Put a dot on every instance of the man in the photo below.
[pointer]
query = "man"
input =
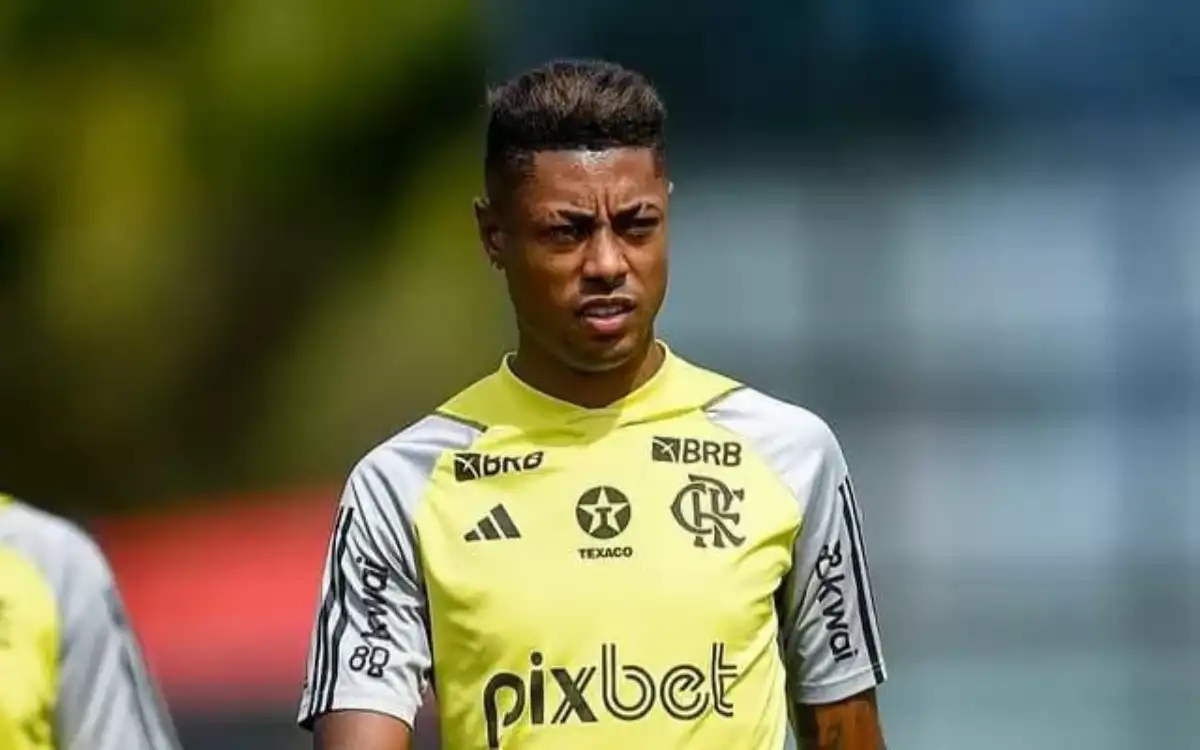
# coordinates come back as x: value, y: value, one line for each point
x: 71, y: 675
x: 600, y: 545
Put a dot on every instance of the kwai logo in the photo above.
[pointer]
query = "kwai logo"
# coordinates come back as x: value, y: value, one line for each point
x: 830, y: 595
x: 373, y: 655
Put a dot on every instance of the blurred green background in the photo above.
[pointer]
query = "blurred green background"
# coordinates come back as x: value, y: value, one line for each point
x: 232, y: 239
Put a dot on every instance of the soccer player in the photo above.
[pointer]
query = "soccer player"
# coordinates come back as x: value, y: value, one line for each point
x: 71, y: 675
x: 600, y: 545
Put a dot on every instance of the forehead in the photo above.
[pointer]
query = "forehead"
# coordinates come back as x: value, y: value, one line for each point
x: 616, y: 174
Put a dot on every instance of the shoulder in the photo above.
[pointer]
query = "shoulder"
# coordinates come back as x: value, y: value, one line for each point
x: 792, y: 440
x: 70, y: 563
x: 420, y: 445
x: 54, y: 543
x: 452, y: 426
x: 693, y: 385
x: 771, y: 420
x: 393, y: 476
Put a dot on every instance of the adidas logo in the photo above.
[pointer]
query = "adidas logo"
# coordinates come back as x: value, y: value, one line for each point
x: 497, y: 524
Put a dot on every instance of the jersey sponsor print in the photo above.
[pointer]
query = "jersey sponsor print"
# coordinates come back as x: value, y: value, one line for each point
x: 625, y: 691
x: 670, y: 572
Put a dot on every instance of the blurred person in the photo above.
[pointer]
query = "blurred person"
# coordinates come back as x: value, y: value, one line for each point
x: 71, y: 672
x: 601, y: 544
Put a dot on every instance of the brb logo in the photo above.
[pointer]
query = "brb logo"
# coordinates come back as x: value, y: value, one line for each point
x: 673, y: 450
x: 471, y: 466
x: 628, y: 692
x: 705, y: 507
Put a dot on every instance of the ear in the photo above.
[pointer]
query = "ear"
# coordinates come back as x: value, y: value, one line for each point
x: 491, y: 236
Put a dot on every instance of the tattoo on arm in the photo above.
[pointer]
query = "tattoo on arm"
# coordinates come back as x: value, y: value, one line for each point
x: 833, y: 738
x: 852, y: 724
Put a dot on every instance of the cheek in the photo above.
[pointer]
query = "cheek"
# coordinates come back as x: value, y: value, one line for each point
x: 650, y: 264
x: 541, y: 287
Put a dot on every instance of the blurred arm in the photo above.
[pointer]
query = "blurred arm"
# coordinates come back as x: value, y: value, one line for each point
x: 106, y: 700
x: 370, y: 658
x: 828, y: 622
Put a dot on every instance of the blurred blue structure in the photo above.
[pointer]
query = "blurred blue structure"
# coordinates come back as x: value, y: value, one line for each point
x: 1008, y: 347
x: 966, y: 235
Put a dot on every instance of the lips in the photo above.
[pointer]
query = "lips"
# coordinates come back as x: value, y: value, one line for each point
x: 609, y: 307
x: 607, y: 317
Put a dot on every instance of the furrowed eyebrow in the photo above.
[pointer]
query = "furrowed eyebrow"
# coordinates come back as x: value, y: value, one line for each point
x: 637, y: 207
x: 579, y: 214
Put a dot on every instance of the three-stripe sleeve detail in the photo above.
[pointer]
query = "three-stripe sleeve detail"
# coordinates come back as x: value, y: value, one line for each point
x: 149, y: 707
x: 326, y: 656
x: 316, y: 669
x: 861, y: 540
x: 858, y: 565
x: 343, y: 620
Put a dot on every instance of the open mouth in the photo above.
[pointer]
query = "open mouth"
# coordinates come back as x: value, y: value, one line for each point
x: 607, y: 316
x: 602, y: 309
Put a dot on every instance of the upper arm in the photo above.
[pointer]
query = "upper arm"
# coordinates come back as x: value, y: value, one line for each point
x: 107, y: 699
x: 360, y: 730
x: 369, y: 660
x: 829, y: 628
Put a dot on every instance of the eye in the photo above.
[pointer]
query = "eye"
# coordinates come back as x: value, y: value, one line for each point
x: 644, y: 225
x: 561, y: 234
x: 639, y: 226
x: 571, y: 231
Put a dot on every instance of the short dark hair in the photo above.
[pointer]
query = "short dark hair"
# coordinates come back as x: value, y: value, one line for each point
x: 571, y: 105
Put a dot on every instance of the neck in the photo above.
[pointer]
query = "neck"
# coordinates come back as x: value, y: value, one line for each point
x: 590, y: 390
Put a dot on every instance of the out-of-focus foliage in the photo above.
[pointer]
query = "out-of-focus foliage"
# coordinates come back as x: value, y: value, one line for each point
x: 228, y: 233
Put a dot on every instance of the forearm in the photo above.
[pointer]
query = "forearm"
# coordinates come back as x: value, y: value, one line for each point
x: 851, y: 724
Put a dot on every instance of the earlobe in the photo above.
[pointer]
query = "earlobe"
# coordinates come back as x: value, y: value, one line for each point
x: 492, y: 249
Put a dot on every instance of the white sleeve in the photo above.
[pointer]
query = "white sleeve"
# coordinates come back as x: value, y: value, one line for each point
x: 107, y: 699
x: 829, y: 628
x: 370, y: 644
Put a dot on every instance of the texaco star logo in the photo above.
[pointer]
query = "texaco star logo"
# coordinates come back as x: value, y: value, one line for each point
x: 603, y: 512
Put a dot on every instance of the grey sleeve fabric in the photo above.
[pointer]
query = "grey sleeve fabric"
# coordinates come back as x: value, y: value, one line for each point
x: 828, y: 619
x: 107, y: 699
x: 829, y: 629
x: 370, y: 647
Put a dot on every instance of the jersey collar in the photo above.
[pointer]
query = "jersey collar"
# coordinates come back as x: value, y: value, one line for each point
x: 640, y: 401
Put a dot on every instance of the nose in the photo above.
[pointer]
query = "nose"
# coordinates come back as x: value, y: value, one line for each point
x: 605, y: 258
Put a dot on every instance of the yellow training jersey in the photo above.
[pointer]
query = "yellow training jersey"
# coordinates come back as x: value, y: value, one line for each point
x: 670, y: 572
x: 71, y: 677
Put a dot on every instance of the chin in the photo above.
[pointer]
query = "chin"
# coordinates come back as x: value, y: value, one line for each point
x: 601, y: 357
